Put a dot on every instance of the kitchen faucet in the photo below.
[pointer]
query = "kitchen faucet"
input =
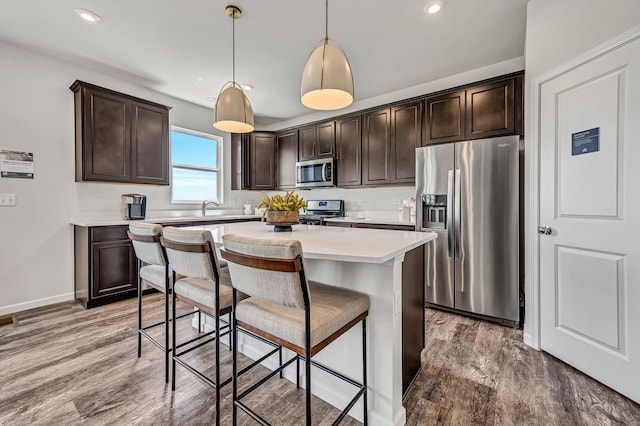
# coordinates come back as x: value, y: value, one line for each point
x: 205, y: 203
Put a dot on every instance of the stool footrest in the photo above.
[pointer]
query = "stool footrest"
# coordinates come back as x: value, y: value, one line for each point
x: 154, y: 341
x: 265, y: 378
x: 251, y: 413
x: 258, y: 361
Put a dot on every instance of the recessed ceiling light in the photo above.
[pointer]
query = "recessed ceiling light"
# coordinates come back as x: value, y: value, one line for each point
x: 87, y: 15
x: 433, y: 6
x: 247, y: 87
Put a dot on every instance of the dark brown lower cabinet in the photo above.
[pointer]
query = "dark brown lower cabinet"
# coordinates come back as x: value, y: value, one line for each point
x: 105, y: 265
x: 412, y: 315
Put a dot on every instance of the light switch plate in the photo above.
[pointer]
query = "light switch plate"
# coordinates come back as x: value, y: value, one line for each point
x: 7, y: 199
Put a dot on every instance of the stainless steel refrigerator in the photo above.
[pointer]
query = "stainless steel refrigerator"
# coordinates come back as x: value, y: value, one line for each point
x: 467, y: 192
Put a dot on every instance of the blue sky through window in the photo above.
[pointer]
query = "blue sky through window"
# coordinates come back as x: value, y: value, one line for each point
x: 195, y: 167
x: 193, y: 150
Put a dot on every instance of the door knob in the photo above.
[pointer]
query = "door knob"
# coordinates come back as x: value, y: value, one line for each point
x: 544, y: 230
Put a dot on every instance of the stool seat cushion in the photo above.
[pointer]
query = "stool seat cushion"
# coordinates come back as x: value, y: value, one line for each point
x: 154, y: 275
x: 331, y: 309
x: 203, y: 291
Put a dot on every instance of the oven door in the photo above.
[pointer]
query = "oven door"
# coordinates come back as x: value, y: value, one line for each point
x: 315, y: 173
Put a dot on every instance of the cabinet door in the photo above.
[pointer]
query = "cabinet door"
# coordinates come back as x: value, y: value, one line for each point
x: 287, y: 149
x: 490, y: 110
x: 236, y: 162
x: 349, y: 151
x: 263, y: 150
x: 376, y: 148
x: 114, y: 268
x: 445, y: 118
x: 307, y: 143
x: 149, y: 144
x: 326, y: 140
x: 406, y: 136
x: 107, y: 137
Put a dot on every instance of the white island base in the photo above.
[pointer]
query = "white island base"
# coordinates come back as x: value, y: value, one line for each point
x: 368, y: 261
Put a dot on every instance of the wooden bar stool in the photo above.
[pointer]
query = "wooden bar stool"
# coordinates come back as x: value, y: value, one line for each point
x: 285, y: 308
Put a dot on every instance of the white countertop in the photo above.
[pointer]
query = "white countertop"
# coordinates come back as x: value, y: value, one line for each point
x: 333, y: 243
x: 108, y: 221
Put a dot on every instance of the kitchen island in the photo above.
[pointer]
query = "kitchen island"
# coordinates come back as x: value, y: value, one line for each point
x: 388, y: 267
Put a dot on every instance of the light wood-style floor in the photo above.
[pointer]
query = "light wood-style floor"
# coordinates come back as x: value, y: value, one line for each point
x: 63, y: 365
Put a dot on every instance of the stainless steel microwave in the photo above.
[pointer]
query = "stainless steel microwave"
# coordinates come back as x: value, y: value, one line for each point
x: 316, y: 173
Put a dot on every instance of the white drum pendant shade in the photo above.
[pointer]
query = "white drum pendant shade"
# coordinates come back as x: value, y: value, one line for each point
x: 233, y: 111
x: 327, y: 81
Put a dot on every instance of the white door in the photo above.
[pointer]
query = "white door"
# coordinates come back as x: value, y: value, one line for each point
x: 590, y: 198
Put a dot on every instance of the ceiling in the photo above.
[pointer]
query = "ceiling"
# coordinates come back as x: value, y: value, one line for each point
x: 183, y: 47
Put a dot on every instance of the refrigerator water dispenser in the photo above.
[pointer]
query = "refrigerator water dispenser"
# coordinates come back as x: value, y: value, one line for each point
x: 434, y: 211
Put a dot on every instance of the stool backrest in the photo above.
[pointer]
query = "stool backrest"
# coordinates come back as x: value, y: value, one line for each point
x: 146, y: 242
x: 191, y: 252
x: 268, y: 269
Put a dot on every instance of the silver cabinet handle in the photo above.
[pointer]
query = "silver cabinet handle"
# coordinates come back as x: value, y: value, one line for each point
x: 545, y: 230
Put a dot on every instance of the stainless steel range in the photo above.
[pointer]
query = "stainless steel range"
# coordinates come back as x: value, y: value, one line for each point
x: 318, y: 210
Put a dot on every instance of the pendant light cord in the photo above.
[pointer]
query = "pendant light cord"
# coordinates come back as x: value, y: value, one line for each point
x: 326, y: 21
x: 233, y: 44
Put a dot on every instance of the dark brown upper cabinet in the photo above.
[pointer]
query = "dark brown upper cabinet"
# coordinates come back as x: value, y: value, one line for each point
x: 287, y: 155
x: 253, y: 161
x: 445, y: 117
x: 376, y: 147
x: 240, y: 178
x: 120, y: 138
x: 316, y: 141
x: 262, y: 160
x: 491, y: 109
x: 406, y: 136
x: 390, y: 137
x: 349, y: 151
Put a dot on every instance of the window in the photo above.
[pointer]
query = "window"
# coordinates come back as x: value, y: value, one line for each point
x: 195, y: 166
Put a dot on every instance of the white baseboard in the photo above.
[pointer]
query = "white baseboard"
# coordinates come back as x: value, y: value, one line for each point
x: 18, y: 307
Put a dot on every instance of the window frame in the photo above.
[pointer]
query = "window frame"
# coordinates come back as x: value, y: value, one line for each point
x: 219, y: 170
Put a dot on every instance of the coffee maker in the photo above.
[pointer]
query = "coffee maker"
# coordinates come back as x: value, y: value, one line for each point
x: 134, y: 206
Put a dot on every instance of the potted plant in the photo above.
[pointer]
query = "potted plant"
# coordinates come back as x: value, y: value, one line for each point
x: 283, y: 210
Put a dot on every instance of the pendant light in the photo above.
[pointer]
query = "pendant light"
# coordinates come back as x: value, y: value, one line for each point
x: 327, y: 81
x: 233, y: 112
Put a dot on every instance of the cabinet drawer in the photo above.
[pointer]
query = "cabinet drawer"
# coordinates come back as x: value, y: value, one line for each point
x: 109, y: 233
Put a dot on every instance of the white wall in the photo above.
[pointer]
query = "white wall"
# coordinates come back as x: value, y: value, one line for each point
x: 558, y: 31
x: 36, y: 115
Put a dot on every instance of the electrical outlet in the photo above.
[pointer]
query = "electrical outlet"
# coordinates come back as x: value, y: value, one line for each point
x: 7, y: 199
x: 361, y: 202
x: 396, y: 202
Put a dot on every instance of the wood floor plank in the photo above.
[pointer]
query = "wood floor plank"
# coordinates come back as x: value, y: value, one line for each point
x: 63, y: 365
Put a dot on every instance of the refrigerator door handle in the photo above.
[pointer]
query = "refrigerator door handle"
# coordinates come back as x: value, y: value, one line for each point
x: 450, y: 213
x: 457, y: 214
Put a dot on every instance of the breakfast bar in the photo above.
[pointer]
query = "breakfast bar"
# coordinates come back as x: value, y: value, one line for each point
x: 388, y: 267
